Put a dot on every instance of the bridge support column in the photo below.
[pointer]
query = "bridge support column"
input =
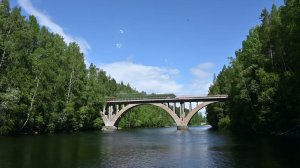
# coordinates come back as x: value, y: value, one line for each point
x: 181, y: 125
x: 117, y: 108
x: 107, y: 118
x: 182, y: 112
x: 174, y: 107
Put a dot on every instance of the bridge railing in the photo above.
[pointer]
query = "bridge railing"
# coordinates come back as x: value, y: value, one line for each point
x: 164, y: 98
x: 137, y: 98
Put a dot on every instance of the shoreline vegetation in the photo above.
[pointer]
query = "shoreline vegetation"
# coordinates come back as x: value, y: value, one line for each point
x: 263, y: 79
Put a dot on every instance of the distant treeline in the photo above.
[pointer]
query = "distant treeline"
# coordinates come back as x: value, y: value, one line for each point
x: 45, y: 85
x: 263, y: 80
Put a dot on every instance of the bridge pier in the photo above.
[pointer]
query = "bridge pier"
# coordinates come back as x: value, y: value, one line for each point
x: 182, y: 127
x: 109, y: 128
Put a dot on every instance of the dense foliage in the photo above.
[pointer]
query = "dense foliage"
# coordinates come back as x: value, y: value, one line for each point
x: 45, y: 85
x: 263, y: 80
x: 133, y: 118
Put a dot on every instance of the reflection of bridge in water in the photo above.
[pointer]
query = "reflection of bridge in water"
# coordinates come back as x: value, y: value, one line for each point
x: 179, y: 108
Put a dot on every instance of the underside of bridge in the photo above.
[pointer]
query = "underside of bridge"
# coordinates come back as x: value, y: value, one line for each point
x: 181, y: 112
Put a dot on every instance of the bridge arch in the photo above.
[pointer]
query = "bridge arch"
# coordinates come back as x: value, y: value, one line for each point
x: 119, y: 114
x: 194, y: 111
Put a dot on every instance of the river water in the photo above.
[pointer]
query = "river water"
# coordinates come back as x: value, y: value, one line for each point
x: 159, y: 147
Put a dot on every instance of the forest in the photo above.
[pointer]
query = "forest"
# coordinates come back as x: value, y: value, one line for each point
x: 263, y: 78
x: 46, y: 87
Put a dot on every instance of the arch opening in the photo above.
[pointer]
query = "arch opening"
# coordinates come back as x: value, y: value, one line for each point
x: 197, y: 119
x: 196, y: 110
x: 162, y: 110
x: 144, y: 116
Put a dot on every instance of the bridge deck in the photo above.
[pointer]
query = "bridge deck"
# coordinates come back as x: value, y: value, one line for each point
x: 168, y: 100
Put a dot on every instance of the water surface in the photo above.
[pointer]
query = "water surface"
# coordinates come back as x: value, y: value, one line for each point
x: 160, y: 147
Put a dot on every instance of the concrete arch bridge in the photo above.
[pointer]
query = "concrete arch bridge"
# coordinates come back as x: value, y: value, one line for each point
x: 115, y: 108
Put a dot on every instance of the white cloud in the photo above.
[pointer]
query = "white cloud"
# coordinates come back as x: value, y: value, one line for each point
x: 144, y: 78
x: 119, y: 45
x: 202, y: 78
x: 121, y: 31
x: 54, y: 27
x: 153, y: 79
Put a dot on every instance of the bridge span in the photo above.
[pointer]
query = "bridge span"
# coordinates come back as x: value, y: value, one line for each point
x: 179, y: 108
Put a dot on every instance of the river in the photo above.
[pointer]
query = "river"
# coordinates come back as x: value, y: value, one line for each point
x: 159, y: 147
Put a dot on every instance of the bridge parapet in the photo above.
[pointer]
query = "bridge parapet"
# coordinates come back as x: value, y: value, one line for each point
x: 168, y: 100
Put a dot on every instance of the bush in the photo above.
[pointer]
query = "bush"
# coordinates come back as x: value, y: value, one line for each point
x: 224, y: 123
x: 98, y: 123
x: 51, y: 127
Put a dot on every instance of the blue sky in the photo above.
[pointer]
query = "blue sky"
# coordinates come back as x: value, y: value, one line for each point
x: 161, y: 46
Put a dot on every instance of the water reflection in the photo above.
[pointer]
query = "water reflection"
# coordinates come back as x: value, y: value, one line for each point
x: 61, y: 150
x: 162, y: 147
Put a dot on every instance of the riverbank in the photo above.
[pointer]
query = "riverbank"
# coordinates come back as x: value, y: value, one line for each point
x: 294, y: 133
